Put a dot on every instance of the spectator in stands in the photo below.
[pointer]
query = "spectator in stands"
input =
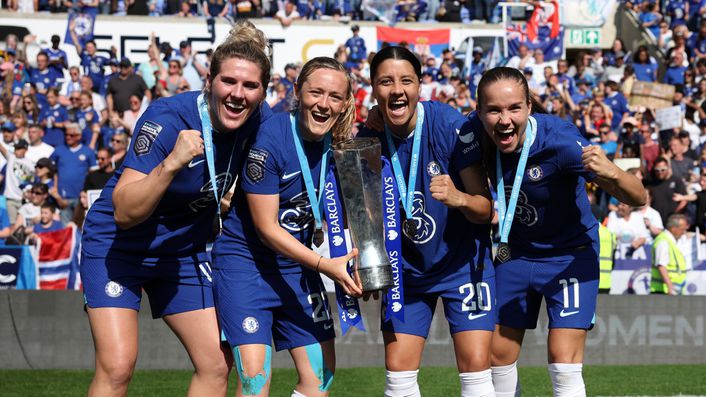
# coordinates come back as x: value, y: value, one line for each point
x: 213, y: 8
x: 73, y: 160
x: 617, y: 103
x: 355, y: 46
x: 19, y: 172
x: 147, y: 70
x: 127, y: 84
x: 87, y: 119
x: 607, y: 141
x: 697, y: 43
x: 119, y: 145
x: 97, y: 179
x: 288, y: 13
x: 74, y: 84
x: 629, y: 227
x: 663, y: 187
x: 46, y: 223
x: 629, y: 140
x: 52, y: 119
x: 593, y: 119
x: 29, y: 213
x: 650, y: 18
x: 675, y: 71
x: 172, y: 80
x: 649, y: 149
x: 30, y: 108
x: 44, y: 171
x: 42, y: 76
x: 645, y: 67
x: 93, y: 64
x: 131, y: 115
x: 37, y: 148
x: 58, y: 60
x: 97, y: 100
x: 669, y: 266
x: 653, y: 221
x: 290, y: 76
x: 567, y: 81
x: 447, y: 58
x: 194, y: 70
x: 615, y: 71
x: 137, y: 7
x: 680, y: 163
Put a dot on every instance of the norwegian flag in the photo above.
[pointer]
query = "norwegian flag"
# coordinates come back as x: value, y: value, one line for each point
x: 57, y: 259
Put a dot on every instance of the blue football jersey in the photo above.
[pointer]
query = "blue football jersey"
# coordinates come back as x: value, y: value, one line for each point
x: 57, y: 114
x: 445, y: 240
x: 181, y: 224
x: 553, y: 214
x: 272, y: 167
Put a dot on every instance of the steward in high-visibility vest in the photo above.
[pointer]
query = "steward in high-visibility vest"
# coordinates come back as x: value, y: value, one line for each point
x: 608, y: 244
x: 669, y: 267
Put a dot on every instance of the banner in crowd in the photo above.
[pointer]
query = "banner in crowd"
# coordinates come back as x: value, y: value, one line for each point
x: 632, y: 269
x: 57, y: 259
x: 542, y: 30
x: 586, y: 13
x: 422, y: 41
x: 84, y: 24
x: 17, y: 270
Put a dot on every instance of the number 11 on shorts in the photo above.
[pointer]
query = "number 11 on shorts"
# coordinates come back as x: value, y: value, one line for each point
x: 571, y: 283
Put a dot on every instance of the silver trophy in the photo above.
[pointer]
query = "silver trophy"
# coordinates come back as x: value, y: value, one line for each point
x: 359, y: 169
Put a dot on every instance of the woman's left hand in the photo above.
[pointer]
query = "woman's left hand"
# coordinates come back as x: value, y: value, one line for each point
x: 594, y: 160
x: 443, y: 189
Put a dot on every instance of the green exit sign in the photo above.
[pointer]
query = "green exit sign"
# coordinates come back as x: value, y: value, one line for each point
x: 585, y: 36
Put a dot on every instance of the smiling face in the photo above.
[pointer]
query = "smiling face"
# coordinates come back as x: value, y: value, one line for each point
x: 504, y: 113
x: 322, y: 98
x: 396, y: 89
x: 234, y: 94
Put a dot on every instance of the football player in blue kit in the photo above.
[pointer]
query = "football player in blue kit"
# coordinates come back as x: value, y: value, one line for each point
x: 446, y: 249
x: 539, y: 165
x: 266, y: 276
x: 269, y: 287
x: 148, y: 230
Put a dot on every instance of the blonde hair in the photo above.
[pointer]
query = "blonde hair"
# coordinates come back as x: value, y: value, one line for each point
x: 343, y: 126
x: 247, y: 42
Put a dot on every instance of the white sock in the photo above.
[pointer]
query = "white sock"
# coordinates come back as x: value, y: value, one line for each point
x: 477, y: 384
x: 297, y: 394
x: 567, y: 380
x: 506, y: 380
x: 401, y: 384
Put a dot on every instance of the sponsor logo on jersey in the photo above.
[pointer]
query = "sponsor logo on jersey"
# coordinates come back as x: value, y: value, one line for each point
x: 290, y: 175
x: 426, y: 226
x: 562, y: 313
x: 297, y: 216
x: 472, y: 316
x: 223, y: 183
x: 146, y: 136
x: 250, y: 325
x: 255, y: 170
x: 113, y: 289
x: 525, y: 213
x: 466, y: 138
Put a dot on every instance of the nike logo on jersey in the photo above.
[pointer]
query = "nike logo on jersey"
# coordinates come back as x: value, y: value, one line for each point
x: 562, y: 313
x: 194, y: 163
x: 328, y: 326
x: 580, y: 145
x: 466, y: 138
x: 472, y: 316
x: 289, y: 176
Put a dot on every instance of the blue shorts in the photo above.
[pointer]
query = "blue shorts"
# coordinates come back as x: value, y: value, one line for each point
x: 255, y: 308
x: 469, y: 305
x: 174, y: 287
x: 568, y: 283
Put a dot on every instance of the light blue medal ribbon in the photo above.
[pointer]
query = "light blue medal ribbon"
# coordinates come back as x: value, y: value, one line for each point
x: 306, y: 172
x: 394, y: 300
x: 507, y: 213
x: 406, y: 189
x: 348, y: 308
x: 207, y: 134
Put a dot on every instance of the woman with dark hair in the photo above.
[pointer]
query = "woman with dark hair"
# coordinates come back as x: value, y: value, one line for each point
x: 31, y: 108
x: 266, y: 277
x: 617, y: 48
x: 539, y: 165
x: 149, y: 227
x: 644, y: 65
x: 446, y: 210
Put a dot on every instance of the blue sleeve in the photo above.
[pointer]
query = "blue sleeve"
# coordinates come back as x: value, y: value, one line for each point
x: 569, y: 150
x: 91, y: 158
x: 157, y: 130
x: 263, y: 165
x: 465, y: 140
x: 4, y: 219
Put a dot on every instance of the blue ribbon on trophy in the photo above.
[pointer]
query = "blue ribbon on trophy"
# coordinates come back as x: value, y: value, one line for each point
x: 394, y: 300
x: 348, y: 307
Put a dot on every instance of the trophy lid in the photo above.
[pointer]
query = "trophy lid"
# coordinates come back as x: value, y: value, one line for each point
x: 357, y: 144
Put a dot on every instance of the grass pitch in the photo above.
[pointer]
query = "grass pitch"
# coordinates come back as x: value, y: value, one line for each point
x: 647, y: 380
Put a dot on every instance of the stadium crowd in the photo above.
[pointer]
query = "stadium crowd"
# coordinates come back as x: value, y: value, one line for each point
x: 67, y: 127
